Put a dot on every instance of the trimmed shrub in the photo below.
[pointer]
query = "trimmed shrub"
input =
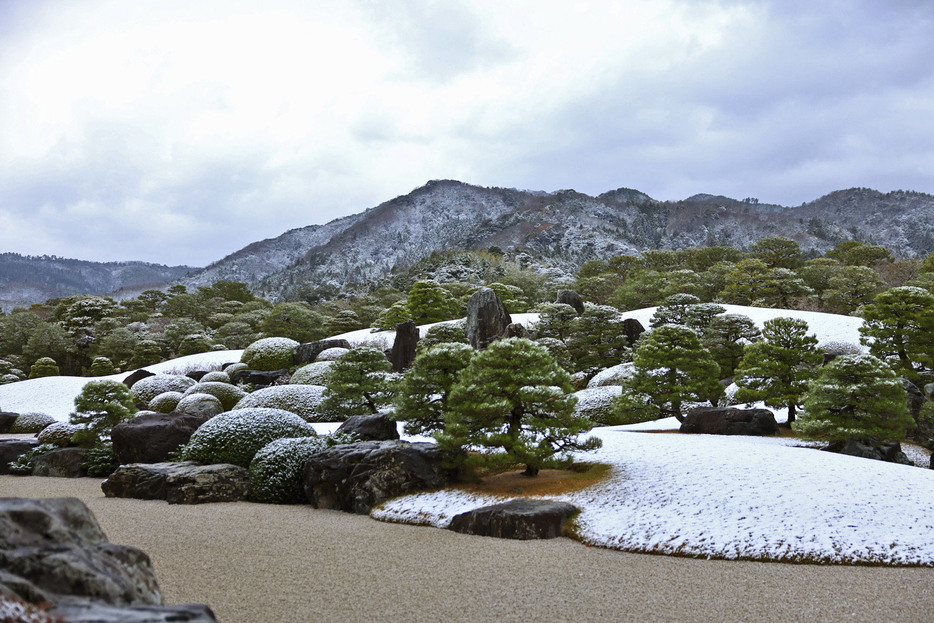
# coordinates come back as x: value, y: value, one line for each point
x: 44, y: 366
x: 61, y: 434
x: 270, y: 353
x: 22, y: 465
x: 8, y: 378
x: 236, y: 436
x: 31, y: 422
x: 302, y: 400
x: 202, y: 405
x: 276, y: 470
x: 234, y: 368
x: 228, y: 394
x: 102, y: 366
x: 316, y: 373
x: 331, y: 354
x: 216, y: 376
x: 165, y: 402
x: 148, y: 388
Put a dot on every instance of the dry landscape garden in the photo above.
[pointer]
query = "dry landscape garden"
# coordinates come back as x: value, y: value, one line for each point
x: 737, y: 409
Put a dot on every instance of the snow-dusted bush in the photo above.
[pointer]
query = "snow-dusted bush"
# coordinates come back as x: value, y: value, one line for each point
x: 201, y: 405
x: 60, y: 434
x: 234, y: 368
x: 276, y: 470
x: 269, y: 353
x: 312, y: 374
x: 302, y: 400
x: 236, y: 436
x: 216, y: 376
x: 596, y: 404
x: 836, y: 347
x: 228, y: 394
x: 8, y: 378
x: 148, y: 388
x: 31, y: 422
x: 165, y: 402
x: 332, y: 354
x: 613, y: 375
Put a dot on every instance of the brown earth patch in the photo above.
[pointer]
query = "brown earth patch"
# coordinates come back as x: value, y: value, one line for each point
x: 547, y: 482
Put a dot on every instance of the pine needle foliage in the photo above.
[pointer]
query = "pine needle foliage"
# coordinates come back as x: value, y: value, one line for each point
x: 358, y: 384
x: 423, y: 394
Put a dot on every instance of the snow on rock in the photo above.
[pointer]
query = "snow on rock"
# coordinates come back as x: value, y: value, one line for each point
x: 612, y: 375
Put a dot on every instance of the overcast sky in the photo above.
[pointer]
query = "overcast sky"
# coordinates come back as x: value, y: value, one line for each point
x: 179, y: 131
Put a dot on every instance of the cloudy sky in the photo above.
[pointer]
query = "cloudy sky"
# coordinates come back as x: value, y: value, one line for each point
x: 178, y: 131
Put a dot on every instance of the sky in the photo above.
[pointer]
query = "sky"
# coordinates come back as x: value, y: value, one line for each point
x: 178, y: 132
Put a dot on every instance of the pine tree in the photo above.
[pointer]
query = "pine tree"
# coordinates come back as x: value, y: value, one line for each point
x: 296, y: 321
x: 423, y: 394
x: 899, y: 324
x: 777, y: 369
x: 554, y: 320
x: 100, y: 406
x: 429, y: 302
x: 597, y: 339
x: 513, y: 396
x: 726, y: 338
x: 674, y: 310
x: 855, y: 397
x: 358, y: 384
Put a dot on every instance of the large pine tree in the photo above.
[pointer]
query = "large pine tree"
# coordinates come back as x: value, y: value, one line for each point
x: 422, y: 400
x: 899, y: 324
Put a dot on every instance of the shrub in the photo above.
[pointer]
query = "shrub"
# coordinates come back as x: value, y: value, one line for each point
x: 234, y: 368
x: 271, y: 353
x: 44, y: 366
x: 101, y: 366
x: 100, y: 461
x: 31, y: 422
x: 331, y: 354
x: 446, y: 332
x: 195, y: 344
x: 596, y: 404
x: 316, y: 373
x: 236, y: 436
x: 146, y: 389
x: 203, y: 405
x: 302, y: 400
x: 61, y: 434
x: 165, y: 402
x: 215, y: 376
x: 100, y: 406
x: 22, y: 465
x: 276, y: 470
x: 228, y: 394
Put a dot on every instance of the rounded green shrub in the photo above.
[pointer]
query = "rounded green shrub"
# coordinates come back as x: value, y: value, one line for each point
x: 234, y: 368
x: 316, y: 373
x: 236, y: 436
x: 276, y: 470
x: 165, y: 402
x: 61, y: 434
x: 31, y: 422
x: 302, y: 400
x: 148, y: 388
x: 217, y: 376
x: 8, y: 378
x: 228, y: 394
x: 201, y: 405
x: 44, y: 366
x: 270, y: 353
x: 102, y: 366
x: 332, y: 354
x: 596, y: 405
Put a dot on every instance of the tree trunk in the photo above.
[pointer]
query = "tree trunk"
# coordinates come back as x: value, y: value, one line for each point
x: 530, y: 471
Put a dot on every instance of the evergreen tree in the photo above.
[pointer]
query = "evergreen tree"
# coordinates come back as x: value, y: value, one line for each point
x: 101, y: 366
x: 100, y: 406
x: 777, y: 252
x: 672, y: 367
x: 423, y: 394
x: 358, y: 384
x: 48, y: 339
x: 146, y: 353
x: 674, y: 310
x: 44, y: 366
x: 855, y: 397
x: 439, y: 333
x: 428, y: 302
x: 513, y: 396
x: 850, y: 287
x: 726, y: 338
x: 777, y: 369
x: 554, y: 321
x: 745, y: 282
x: 392, y: 316
x: 296, y: 321
x: 596, y: 338
x: 899, y: 324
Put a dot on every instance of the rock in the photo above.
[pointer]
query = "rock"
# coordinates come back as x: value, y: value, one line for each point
x: 150, y: 438
x: 140, y: 374
x: 516, y: 329
x: 487, y: 318
x: 729, y: 421
x: 916, y: 399
x: 572, y: 298
x: 516, y: 519
x: 6, y: 421
x: 196, y: 374
x: 60, y: 463
x: 376, y: 427
x: 178, y: 483
x: 307, y: 353
x: 11, y: 449
x: 612, y: 376
x: 83, y: 611
x: 260, y: 378
x: 355, y: 477
x: 633, y: 329
x: 888, y: 452
x: 56, y: 548
x: 403, y: 347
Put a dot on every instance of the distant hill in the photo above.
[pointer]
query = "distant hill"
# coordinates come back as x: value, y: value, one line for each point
x: 26, y: 279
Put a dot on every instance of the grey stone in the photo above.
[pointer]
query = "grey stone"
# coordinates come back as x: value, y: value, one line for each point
x: 260, y: 378
x: 199, y: 405
x: 487, y: 318
x: 60, y: 463
x: 196, y: 374
x: 6, y: 421
x: 888, y: 452
x: 916, y: 399
x: 151, y: 437
x: 375, y: 427
x: 85, y: 611
x: 402, y: 353
x: 12, y: 449
x: 729, y: 421
x: 178, y: 483
x: 516, y: 329
x: 355, y: 477
x: 572, y: 298
x: 308, y: 352
x: 516, y: 519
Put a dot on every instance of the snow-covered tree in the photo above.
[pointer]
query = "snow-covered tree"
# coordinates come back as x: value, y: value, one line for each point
x: 597, y: 339
x: 99, y: 407
x: 358, y: 384
x: 429, y: 302
x: 514, y: 397
x: 726, y: 338
x: 554, y: 320
x: 777, y: 369
x: 423, y: 394
x: 674, y: 310
x: 855, y: 397
x: 294, y: 320
x: 899, y: 325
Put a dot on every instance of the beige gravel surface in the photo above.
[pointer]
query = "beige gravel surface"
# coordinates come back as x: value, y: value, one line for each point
x: 257, y: 563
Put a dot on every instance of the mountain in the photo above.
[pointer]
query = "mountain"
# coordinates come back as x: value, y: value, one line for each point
x: 26, y: 279
x: 560, y: 230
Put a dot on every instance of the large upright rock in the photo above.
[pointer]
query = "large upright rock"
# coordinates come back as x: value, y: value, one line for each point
x: 151, y: 437
x: 633, y: 329
x: 487, y: 318
x: 60, y: 463
x: 308, y: 352
x: 6, y: 421
x: 572, y: 298
x: 403, y: 347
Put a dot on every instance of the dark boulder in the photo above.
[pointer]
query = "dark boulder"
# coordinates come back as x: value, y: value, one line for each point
x: 196, y: 374
x: 355, y: 477
x: 572, y: 298
x: 375, y: 427
x: 516, y: 329
x: 6, y: 421
x: 260, y: 378
x: 178, y: 483
x: 487, y: 318
x: 12, y: 449
x: 516, y: 519
x: 402, y: 353
x: 139, y: 375
x: 888, y: 452
x: 151, y: 437
x: 633, y: 329
x: 729, y: 421
x: 916, y: 399
x: 60, y: 463
x: 308, y: 352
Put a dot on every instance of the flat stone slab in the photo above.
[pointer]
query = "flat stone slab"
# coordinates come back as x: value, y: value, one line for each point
x: 516, y: 519
x: 178, y: 483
